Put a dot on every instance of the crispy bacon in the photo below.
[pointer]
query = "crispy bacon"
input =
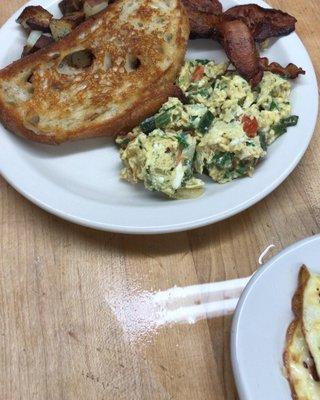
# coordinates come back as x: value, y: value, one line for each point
x: 237, y: 40
x: 291, y: 71
x: 202, y: 25
x: 237, y: 30
x: 203, y: 17
x: 205, y: 6
x: 263, y: 22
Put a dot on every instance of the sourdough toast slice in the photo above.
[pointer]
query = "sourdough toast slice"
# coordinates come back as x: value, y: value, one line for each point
x: 103, y: 79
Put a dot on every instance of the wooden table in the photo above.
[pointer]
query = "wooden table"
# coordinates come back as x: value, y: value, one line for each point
x: 61, y: 337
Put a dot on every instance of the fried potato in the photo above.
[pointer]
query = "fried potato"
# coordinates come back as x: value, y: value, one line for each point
x: 309, y: 303
x: 299, y: 365
x: 63, y: 26
x: 35, y: 18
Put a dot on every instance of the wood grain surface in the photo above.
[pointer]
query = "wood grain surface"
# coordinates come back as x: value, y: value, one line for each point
x: 61, y: 337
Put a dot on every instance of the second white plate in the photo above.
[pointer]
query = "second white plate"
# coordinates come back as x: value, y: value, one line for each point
x: 261, y: 321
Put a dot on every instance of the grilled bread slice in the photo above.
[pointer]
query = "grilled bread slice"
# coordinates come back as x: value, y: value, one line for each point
x: 103, y: 79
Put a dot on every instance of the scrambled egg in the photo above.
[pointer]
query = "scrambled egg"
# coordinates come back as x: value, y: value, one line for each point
x: 223, y: 130
x: 163, y: 161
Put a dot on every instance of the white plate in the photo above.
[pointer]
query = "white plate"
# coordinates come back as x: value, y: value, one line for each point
x: 80, y: 181
x: 261, y: 320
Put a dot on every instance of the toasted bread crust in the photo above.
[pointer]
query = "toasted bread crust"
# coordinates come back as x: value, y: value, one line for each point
x: 150, y: 87
x: 143, y: 109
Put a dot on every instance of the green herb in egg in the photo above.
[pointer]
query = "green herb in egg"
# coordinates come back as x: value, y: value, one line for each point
x: 148, y: 125
x: 158, y: 121
x: 274, y: 105
x: 202, y: 62
x: 263, y: 141
x: 281, y: 127
x: 162, y: 119
x: 290, y: 121
x: 223, y: 160
x: 182, y: 139
x: 205, y: 122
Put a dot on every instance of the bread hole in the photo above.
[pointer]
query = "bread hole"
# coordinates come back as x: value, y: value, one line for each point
x: 28, y: 77
x: 76, y: 61
x: 107, y: 61
x: 132, y: 63
x: 79, y: 59
x: 33, y: 120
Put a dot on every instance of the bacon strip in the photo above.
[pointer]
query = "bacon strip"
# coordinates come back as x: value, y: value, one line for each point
x: 237, y: 30
x: 263, y: 22
x: 291, y: 71
x: 202, y: 25
x: 237, y: 40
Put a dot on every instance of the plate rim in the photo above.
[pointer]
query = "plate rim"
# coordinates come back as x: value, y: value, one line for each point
x: 235, y: 326
x: 176, y: 227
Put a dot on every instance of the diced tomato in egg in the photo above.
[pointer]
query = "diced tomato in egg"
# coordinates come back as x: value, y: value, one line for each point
x: 198, y: 73
x: 250, y: 126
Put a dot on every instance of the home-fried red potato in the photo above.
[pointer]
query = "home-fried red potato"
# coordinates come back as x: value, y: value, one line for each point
x: 63, y: 26
x: 291, y: 71
x: 70, y: 6
x: 35, y: 18
x: 263, y: 22
x: 40, y: 43
x: 238, y: 43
